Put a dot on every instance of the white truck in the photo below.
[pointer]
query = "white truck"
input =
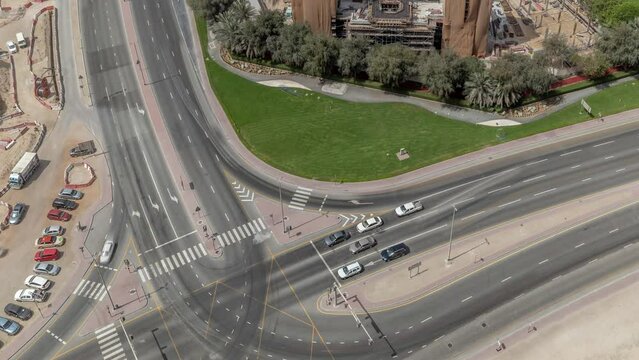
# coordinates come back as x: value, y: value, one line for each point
x: 23, y: 170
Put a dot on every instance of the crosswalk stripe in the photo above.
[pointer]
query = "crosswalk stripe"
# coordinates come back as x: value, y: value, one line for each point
x: 261, y: 223
x: 186, y: 256
x: 246, y: 230
x: 104, y: 328
x: 295, y: 203
x: 111, y: 349
x: 119, y: 357
x: 168, y: 261
x: 304, y: 189
x: 78, y: 287
x: 239, y: 229
x: 110, y: 342
x: 117, y: 351
x: 236, y: 235
x: 89, y: 284
x: 225, y: 240
x: 202, y: 248
x: 300, y: 197
x: 141, y: 275
x: 257, y: 225
x: 166, y: 269
x: 191, y: 253
x: 158, y: 268
x: 252, y: 228
x: 112, y: 334
x: 197, y: 251
x: 104, y: 293
x: 97, y: 294
x: 89, y: 289
x: 231, y: 237
x: 147, y: 273
x: 175, y: 260
x: 153, y: 271
x: 179, y: 255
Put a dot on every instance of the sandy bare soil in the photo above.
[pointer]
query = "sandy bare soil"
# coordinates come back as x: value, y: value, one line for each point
x: 5, y: 87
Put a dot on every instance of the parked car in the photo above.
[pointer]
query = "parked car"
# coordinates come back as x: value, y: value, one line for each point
x: 9, y: 326
x: 350, y: 270
x: 73, y: 194
x: 49, y: 241
x: 18, y: 311
x: 58, y: 215
x: 59, y: 203
x: 47, y: 255
x: 409, y: 208
x: 394, y: 252
x: 11, y: 46
x: 53, y: 230
x: 362, y: 244
x: 107, y: 251
x: 30, y: 295
x: 37, y: 282
x: 336, y: 238
x: 370, y: 224
x: 17, y: 213
x: 46, y: 268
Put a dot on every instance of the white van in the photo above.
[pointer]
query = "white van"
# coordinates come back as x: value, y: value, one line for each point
x: 21, y: 41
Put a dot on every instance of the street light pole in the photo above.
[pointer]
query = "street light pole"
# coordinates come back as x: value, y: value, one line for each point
x: 450, y: 241
x: 282, y: 206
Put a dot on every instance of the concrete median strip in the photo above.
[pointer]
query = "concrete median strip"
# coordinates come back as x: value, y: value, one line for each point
x: 392, y: 287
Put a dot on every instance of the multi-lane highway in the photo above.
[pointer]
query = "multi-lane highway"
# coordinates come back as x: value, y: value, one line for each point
x: 251, y: 303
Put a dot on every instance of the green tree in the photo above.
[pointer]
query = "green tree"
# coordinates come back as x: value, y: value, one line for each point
x: 557, y: 52
x: 625, y: 12
x: 479, y: 89
x: 269, y: 23
x: 352, y: 56
x: 250, y: 40
x: 288, y: 44
x: 447, y: 73
x: 505, y: 94
x: 620, y: 44
x: 391, y: 64
x: 538, y: 78
x: 209, y: 9
x: 242, y: 10
x: 594, y: 65
x: 227, y: 32
x: 320, y: 54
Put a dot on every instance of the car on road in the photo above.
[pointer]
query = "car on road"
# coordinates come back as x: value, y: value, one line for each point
x: 17, y: 213
x: 53, y: 230
x: 350, y: 270
x: 30, y: 295
x: 47, y: 255
x: 107, y: 251
x: 73, y: 194
x: 59, y: 203
x: 37, y: 282
x: 362, y: 244
x: 59, y: 215
x: 18, y: 311
x: 49, y: 241
x: 370, y: 224
x: 11, y: 46
x: 394, y: 252
x: 336, y: 238
x: 46, y: 268
x: 9, y: 326
x: 409, y: 208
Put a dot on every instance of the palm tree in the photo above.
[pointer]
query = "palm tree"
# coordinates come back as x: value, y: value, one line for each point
x: 227, y: 32
x: 479, y: 89
x: 242, y: 10
x: 505, y: 94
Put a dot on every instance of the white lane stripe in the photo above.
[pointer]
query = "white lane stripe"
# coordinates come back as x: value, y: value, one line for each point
x: 246, y: 230
x: 466, y: 299
x: 586, y: 179
x: 261, y: 223
x: 186, y: 256
x: 473, y: 215
x: 102, y: 329
x: 536, y: 162
x: 239, y: 229
x: 545, y: 191
x: 543, y: 261
x: 506, y: 279
x: 202, y: 248
x: 502, y: 188
x: 236, y: 234
x: 79, y: 286
x: 570, y: 153
x: 197, y: 251
x: 604, y: 143
x: 534, y: 178
x: 104, y: 294
x: 509, y: 203
x: 252, y: 228
x: 191, y: 253
x: 179, y: 255
x: 428, y: 318
x: 580, y: 245
x: 175, y: 260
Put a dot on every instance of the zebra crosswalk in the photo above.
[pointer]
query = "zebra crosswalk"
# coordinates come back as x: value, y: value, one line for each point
x: 109, y: 343
x: 300, y: 198
x: 91, y: 290
x: 241, y: 232
x: 172, y: 262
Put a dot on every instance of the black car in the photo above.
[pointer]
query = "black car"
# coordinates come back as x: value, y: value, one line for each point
x: 59, y: 203
x: 18, y: 311
x: 336, y: 238
x: 394, y: 252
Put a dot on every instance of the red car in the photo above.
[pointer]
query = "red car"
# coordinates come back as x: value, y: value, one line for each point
x: 47, y: 255
x: 55, y: 214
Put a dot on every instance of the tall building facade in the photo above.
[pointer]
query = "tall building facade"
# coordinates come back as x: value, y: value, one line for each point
x: 466, y: 25
x: 318, y: 14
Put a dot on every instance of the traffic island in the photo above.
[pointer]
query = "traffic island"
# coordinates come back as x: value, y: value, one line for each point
x: 417, y: 276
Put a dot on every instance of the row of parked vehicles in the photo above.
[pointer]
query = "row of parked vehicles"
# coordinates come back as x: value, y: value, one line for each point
x: 390, y: 253
x: 47, y: 244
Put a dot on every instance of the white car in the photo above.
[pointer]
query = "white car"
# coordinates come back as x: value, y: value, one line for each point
x: 409, y: 208
x: 37, y: 282
x: 11, y: 46
x: 72, y: 194
x: 370, y: 224
x: 53, y: 230
x: 107, y: 252
x: 349, y: 270
x: 30, y: 295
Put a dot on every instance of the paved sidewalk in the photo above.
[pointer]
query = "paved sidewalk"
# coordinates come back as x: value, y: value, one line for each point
x: 397, y: 286
x: 414, y: 178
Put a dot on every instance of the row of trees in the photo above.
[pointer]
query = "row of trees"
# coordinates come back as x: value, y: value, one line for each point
x: 265, y: 36
x: 613, y: 12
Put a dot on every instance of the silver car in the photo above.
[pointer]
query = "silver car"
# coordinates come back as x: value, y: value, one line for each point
x: 362, y: 244
x: 72, y: 194
x: 9, y: 326
x: 46, y: 268
x: 17, y: 213
x: 53, y: 230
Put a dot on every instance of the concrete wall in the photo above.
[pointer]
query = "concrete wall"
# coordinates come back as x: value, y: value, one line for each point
x: 467, y: 36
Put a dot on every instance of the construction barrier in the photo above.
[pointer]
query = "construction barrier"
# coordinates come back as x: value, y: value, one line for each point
x: 77, y: 186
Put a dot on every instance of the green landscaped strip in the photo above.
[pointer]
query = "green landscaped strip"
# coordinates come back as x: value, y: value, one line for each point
x: 316, y: 136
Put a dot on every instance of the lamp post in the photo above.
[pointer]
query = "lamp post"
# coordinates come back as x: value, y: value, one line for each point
x: 450, y: 241
x: 282, y: 205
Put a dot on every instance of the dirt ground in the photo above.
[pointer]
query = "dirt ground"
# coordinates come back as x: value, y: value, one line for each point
x: 8, y: 158
x: 5, y: 86
x: 604, y: 330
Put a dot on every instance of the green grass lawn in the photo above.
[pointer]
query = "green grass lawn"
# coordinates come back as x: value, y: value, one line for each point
x: 320, y: 137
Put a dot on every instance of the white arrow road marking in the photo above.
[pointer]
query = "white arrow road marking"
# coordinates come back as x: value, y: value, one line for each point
x: 154, y: 205
x: 141, y: 111
x: 356, y: 202
x: 174, y: 198
x: 135, y: 213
